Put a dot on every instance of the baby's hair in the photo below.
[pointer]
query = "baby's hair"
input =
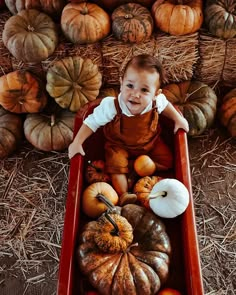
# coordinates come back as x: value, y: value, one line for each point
x: 146, y: 62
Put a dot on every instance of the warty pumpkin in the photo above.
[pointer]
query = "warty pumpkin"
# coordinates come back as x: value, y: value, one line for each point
x: 10, y: 132
x: 139, y: 267
x: 132, y: 22
x: 30, y: 36
x: 197, y: 102
x: 85, y: 22
x: 227, y: 112
x: 220, y: 18
x: 22, y: 92
x: 73, y: 81
x: 178, y: 17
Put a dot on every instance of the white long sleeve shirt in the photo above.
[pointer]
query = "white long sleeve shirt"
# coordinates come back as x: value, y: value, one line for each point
x: 106, y: 111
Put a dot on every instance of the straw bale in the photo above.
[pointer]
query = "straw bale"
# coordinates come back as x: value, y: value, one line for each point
x: 229, y: 72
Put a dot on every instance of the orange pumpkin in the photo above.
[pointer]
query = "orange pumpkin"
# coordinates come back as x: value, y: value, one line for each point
x: 178, y: 17
x: 85, y: 23
x: 144, y: 166
x: 95, y: 172
x: 22, y: 92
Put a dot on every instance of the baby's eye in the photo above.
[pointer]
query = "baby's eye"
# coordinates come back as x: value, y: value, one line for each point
x: 144, y: 90
x: 130, y: 86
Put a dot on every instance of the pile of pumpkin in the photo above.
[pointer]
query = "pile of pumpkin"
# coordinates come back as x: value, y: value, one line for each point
x: 126, y: 250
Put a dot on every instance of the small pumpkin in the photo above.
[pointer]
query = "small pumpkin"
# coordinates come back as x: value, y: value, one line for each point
x: 50, y: 131
x: 178, y: 17
x: 85, y: 22
x: 169, y: 198
x: 22, y: 92
x: 73, y: 81
x: 30, y: 36
x: 134, y: 266
x: 197, y: 102
x: 220, y: 18
x: 132, y: 22
x: 144, y: 166
x: 227, y: 112
x: 143, y: 187
x: 95, y: 172
x: 93, y: 204
x: 10, y: 132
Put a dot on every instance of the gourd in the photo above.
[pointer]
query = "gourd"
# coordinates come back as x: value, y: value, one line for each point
x: 85, y: 23
x: 50, y: 131
x: 197, y: 102
x: 169, y: 198
x: 227, y: 112
x: 132, y: 22
x: 139, y: 266
x: 143, y: 187
x: 30, y: 36
x: 144, y: 165
x: 10, y: 132
x: 22, y: 92
x: 73, y: 81
x: 94, y: 198
x: 95, y: 172
x: 220, y: 18
x: 178, y: 17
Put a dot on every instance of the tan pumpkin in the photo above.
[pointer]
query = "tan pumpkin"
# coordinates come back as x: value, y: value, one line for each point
x: 50, y: 7
x: 73, y: 81
x: 10, y: 132
x: 85, y: 23
x: 227, y: 112
x: 117, y: 263
x: 30, y: 36
x: 178, y: 17
x: 50, y: 132
x: 197, y: 102
x: 132, y: 22
x: 22, y: 92
x: 220, y: 18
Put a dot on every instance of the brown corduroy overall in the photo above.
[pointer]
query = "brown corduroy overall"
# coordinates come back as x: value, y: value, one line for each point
x: 128, y: 137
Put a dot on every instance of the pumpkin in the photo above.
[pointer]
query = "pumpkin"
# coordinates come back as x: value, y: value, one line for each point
x: 168, y: 291
x: 144, y: 165
x: 197, y: 102
x: 50, y: 7
x: 95, y: 172
x: 139, y: 266
x: 85, y: 23
x: 143, y: 187
x: 132, y: 22
x: 96, y: 196
x: 111, y: 5
x: 178, y: 17
x: 169, y: 198
x: 220, y: 18
x: 10, y: 132
x: 30, y: 36
x: 50, y: 131
x: 227, y: 112
x: 22, y: 92
x: 73, y: 81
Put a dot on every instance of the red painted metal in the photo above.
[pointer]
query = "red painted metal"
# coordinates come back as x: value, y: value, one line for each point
x: 185, y: 269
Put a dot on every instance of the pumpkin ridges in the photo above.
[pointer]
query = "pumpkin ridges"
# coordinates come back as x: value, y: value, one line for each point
x: 152, y: 276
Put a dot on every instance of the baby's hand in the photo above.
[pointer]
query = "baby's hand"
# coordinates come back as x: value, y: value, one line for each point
x: 75, y: 148
x: 181, y: 123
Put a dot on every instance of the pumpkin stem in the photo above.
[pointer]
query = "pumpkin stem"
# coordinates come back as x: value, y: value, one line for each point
x: 30, y: 28
x: 127, y: 16
x: 157, y: 194
x: 106, y: 201
x: 115, y: 231
x: 53, y: 119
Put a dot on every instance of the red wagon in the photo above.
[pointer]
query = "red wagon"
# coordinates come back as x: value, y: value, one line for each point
x: 185, y: 271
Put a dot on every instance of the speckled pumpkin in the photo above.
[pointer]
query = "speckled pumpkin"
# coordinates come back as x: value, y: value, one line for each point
x: 30, y: 36
x: 220, y: 18
x: 22, y: 92
x: 11, y: 132
x: 132, y: 266
x: 73, y: 81
x: 227, y: 112
x: 197, y: 102
x: 132, y: 22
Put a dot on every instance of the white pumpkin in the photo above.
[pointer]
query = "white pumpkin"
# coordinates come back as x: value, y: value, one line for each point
x: 169, y: 198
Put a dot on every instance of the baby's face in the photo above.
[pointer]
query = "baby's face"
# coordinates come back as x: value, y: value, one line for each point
x: 139, y: 88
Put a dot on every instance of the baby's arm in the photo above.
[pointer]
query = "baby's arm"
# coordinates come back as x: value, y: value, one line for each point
x: 76, y: 146
x: 171, y: 113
